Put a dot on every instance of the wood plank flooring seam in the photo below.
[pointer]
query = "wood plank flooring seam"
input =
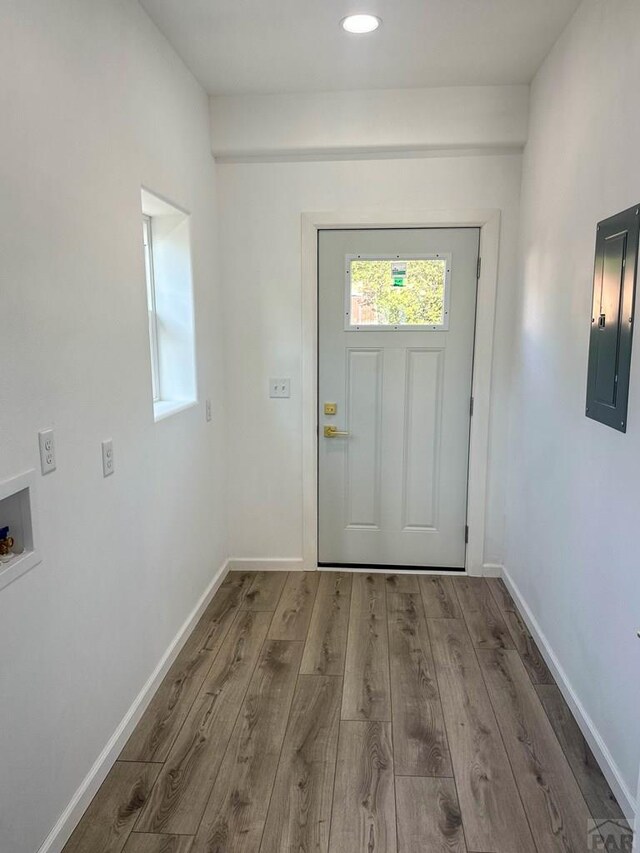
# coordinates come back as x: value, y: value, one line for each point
x: 335, y: 766
x: 446, y: 734
x: 265, y: 578
x: 143, y: 842
x: 181, y: 663
x: 527, y: 648
x: 504, y: 768
x: 387, y: 719
x: 524, y: 808
x: 446, y: 731
x: 393, y: 751
x: 326, y: 642
x: 448, y: 606
x: 346, y: 651
x: 364, y: 792
x: 420, y: 745
x: 180, y: 834
x: 429, y: 816
x: 501, y: 594
x: 202, y: 690
x: 275, y: 670
x: 519, y: 793
x: 109, y: 817
x: 420, y: 775
x: 549, y: 790
x: 260, y: 653
x: 286, y: 728
x: 195, y: 699
x: 202, y: 694
x: 538, y: 679
x: 341, y: 700
x: 513, y: 773
x: 486, y: 624
x: 296, y: 604
x: 367, y: 692
x: 301, y: 801
x: 609, y: 811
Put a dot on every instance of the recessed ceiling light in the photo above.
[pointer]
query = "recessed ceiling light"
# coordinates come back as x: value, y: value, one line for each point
x: 361, y: 23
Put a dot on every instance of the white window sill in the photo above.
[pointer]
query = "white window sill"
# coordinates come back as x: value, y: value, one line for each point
x: 165, y: 408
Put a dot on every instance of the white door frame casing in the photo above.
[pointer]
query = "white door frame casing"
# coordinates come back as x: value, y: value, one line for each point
x: 489, y: 223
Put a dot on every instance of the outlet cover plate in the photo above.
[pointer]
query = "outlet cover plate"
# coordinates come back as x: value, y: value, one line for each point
x: 47, y: 451
x: 107, y: 458
x: 279, y: 388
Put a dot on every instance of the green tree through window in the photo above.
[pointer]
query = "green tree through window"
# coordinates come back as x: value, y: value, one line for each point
x: 375, y: 301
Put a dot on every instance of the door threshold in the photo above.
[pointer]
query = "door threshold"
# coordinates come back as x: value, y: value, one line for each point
x: 390, y: 569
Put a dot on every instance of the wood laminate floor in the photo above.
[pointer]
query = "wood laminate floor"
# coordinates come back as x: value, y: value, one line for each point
x: 353, y: 713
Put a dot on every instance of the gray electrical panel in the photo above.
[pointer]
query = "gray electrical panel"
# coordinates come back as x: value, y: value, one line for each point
x: 614, y: 287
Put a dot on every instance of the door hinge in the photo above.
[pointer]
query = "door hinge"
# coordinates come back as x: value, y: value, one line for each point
x: 466, y: 534
x: 471, y: 404
x: 479, y: 270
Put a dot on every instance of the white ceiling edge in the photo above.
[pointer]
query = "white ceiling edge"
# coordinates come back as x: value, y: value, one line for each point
x: 286, y: 46
x: 318, y: 155
x: 369, y: 123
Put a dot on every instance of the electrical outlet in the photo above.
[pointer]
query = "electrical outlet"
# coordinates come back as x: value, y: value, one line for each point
x: 207, y: 408
x: 47, y: 451
x: 107, y: 458
x: 279, y: 388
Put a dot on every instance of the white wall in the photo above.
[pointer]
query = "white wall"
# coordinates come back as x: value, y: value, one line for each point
x: 392, y: 120
x: 574, y: 489
x: 94, y: 104
x: 260, y: 206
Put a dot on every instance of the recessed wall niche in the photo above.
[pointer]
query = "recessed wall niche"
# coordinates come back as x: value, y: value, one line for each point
x: 17, y: 512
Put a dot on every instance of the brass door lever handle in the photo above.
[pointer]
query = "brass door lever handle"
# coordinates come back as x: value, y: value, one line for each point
x: 331, y: 431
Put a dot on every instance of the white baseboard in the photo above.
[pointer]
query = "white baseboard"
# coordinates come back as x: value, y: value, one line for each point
x: 626, y: 799
x: 70, y: 817
x: 295, y: 564
x: 269, y: 564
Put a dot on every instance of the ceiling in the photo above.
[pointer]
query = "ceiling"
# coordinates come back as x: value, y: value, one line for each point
x: 240, y: 46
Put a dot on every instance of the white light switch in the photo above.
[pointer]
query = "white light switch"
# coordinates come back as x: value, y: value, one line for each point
x: 107, y: 458
x: 279, y: 388
x: 47, y: 451
x: 208, y: 409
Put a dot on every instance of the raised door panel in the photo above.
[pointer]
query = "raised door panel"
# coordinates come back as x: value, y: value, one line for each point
x: 364, y: 380
x: 423, y: 405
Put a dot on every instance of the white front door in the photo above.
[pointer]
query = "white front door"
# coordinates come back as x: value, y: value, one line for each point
x: 396, y: 331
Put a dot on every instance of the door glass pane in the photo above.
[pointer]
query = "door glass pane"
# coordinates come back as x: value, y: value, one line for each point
x: 396, y: 292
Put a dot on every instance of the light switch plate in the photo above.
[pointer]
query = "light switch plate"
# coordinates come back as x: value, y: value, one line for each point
x: 107, y: 458
x: 207, y: 408
x: 47, y: 451
x: 279, y: 388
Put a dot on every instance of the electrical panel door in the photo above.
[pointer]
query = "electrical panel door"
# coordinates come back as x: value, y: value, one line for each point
x: 612, y: 318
